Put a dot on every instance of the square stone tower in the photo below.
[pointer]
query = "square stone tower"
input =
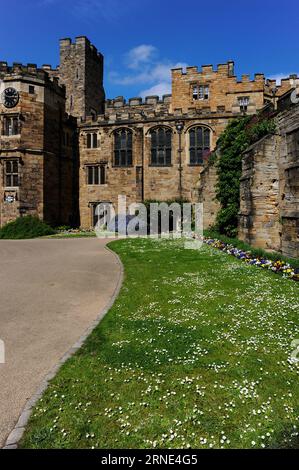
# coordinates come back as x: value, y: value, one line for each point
x: 38, y: 148
x: 81, y: 70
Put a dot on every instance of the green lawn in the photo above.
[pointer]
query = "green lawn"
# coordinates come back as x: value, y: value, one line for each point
x: 194, y: 352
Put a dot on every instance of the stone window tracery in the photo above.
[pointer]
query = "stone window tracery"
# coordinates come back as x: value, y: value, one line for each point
x: 161, y: 142
x: 123, y: 147
x: 199, y: 144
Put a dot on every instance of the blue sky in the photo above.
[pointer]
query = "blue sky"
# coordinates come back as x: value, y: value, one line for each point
x: 142, y: 39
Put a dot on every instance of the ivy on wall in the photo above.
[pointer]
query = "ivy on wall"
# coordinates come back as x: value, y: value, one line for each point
x: 239, y: 134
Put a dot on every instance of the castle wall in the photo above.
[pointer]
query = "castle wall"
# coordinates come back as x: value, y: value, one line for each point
x: 259, y: 222
x: 207, y: 195
x: 269, y: 212
x: 141, y: 181
x: 225, y: 89
x: 288, y: 123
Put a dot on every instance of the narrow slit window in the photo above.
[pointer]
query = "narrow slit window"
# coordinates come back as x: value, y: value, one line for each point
x: 94, y: 141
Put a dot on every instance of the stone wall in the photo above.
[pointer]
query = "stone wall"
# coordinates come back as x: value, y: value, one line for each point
x: 207, y: 195
x: 288, y: 123
x: 269, y: 212
x: 224, y: 89
x: 141, y: 181
x: 259, y: 222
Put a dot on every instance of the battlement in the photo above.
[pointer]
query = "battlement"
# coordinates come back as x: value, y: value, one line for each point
x: 48, y: 68
x: 221, y: 70
x: 67, y: 45
x: 226, y: 69
x: 122, y: 116
x: 287, y: 83
x: 31, y: 72
x: 121, y: 102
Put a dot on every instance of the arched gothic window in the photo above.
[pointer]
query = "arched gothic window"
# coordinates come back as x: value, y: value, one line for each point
x: 199, y: 144
x: 123, y: 147
x: 161, y: 139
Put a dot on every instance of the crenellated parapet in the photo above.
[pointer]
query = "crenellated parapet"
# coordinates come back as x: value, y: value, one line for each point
x: 121, y: 102
x: 272, y: 87
x: 33, y: 73
x: 220, y: 88
x: 227, y: 69
x: 80, y: 42
x: 143, y: 114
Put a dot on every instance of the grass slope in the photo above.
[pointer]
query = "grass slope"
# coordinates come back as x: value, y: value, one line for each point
x: 194, y: 352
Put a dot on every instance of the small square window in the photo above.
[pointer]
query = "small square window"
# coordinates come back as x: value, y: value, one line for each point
x: 96, y: 174
x: 201, y: 92
x: 243, y: 103
x: 92, y: 141
x: 11, y: 126
x: 31, y: 89
x: 11, y: 173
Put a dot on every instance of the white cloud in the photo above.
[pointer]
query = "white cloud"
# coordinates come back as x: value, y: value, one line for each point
x: 145, y: 68
x: 160, y: 72
x: 279, y: 76
x: 163, y: 88
x: 140, y: 55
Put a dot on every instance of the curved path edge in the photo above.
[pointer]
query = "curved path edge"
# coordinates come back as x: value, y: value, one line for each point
x: 17, y: 433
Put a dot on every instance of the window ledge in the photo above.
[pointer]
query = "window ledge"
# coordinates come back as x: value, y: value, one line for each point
x: 160, y: 166
x: 122, y: 166
x: 11, y: 188
x: 14, y: 136
x: 101, y: 185
x: 196, y: 164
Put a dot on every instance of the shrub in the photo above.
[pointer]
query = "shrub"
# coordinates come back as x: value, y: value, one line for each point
x: 26, y: 227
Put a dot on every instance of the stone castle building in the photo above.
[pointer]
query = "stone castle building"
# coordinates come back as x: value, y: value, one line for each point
x: 64, y: 148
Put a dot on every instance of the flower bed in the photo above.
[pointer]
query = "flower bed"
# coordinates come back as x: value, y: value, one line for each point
x: 280, y: 267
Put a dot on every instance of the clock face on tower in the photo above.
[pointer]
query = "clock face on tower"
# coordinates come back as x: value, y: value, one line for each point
x: 10, y: 97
